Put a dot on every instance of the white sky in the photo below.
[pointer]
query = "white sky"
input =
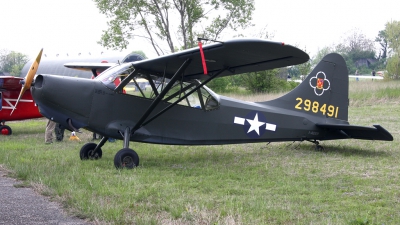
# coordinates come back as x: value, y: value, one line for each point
x: 75, y: 26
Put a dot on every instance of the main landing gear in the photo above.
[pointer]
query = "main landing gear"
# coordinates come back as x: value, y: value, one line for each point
x: 317, y: 146
x: 4, y: 129
x: 125, y: 158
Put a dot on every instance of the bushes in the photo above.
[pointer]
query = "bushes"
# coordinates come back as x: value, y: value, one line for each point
x: 256, y: 82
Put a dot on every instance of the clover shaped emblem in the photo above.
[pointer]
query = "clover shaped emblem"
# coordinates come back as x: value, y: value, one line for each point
x: 320, y: 83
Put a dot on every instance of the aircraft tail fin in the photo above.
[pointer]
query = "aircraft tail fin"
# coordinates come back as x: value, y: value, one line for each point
x: 324, y: 92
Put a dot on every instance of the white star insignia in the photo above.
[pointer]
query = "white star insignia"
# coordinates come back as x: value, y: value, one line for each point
x: 255, y: 124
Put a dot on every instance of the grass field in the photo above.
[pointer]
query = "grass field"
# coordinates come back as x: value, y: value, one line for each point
x: 350, y: 182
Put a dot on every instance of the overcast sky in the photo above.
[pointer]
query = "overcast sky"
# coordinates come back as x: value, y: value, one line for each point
x: 75, y: 26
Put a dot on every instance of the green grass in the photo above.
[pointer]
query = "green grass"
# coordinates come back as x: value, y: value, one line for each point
x: 350, y: 182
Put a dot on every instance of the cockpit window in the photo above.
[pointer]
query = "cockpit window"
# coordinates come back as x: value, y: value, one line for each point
x: 149, y: 86
x: 120, y: 71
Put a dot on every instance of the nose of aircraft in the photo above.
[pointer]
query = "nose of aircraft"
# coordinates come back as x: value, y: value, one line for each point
x: 62, y: 98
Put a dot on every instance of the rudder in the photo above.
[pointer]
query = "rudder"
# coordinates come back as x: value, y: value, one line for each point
x: 324, y: 92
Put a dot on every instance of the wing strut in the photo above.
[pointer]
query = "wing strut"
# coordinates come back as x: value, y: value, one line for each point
x: 153, y: 86
x: 185, y: 96
x: 161, y: 95
x: 125, y: 81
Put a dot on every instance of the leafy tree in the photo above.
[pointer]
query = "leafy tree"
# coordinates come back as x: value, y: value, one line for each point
x: 383, y: 42
x: 321, y: 54
x: 393, y: 67
x: 219, y: 84
x: 154, y: 20
x: 392, y: 30
x: 12, y: 62
x: 266, y: 81
x: 355, y: 47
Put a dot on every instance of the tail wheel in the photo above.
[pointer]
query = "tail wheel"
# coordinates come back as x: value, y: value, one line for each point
x: 87, y: 152
x: 5, y: 130
x: 126, y: 158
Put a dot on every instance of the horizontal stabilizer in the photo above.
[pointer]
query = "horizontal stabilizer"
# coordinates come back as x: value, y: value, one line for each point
x: 359, y: 132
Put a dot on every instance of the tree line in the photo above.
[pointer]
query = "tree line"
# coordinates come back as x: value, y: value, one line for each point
x: 11, y: 62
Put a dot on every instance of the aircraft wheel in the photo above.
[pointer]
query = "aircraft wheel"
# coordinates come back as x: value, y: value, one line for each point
x: 319, y: 148
x: 87, y: 152
x: 126, y: 158
x: 5, y: 130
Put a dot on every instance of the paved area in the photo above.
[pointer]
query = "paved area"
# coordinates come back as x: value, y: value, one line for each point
x: 25, y: 206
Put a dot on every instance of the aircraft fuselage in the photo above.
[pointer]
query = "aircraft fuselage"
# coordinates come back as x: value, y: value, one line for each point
x: 92, y: 105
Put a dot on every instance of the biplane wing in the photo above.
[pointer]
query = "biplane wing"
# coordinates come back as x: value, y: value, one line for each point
x: 231, y: 57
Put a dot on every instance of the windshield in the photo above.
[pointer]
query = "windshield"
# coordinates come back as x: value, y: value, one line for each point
x: 109, y: 75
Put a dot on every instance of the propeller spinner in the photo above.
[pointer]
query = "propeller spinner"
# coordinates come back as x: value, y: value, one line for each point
x: 29, y: 78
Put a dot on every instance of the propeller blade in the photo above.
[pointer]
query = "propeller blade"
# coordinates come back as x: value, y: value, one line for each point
x: 29, y: 78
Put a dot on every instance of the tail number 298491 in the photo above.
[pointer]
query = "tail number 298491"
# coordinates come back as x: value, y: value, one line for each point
x: 316, y: 107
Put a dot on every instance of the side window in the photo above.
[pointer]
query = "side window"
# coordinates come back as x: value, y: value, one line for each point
x: 139, y: 87
x: 199, y: 99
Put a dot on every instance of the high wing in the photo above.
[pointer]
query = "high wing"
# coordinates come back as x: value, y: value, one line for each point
x: 234, y: 57
x: 10, y: 83
x: 227, y: 58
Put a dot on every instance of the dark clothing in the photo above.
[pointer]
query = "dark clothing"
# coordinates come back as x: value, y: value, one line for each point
x: 59, y: 130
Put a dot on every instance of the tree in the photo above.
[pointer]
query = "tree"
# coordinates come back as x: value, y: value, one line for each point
x: 321, y: 54
x: 154, y: 20
x: 382, y: 40
x: 266, y: 81
x: 392, y: 30
x: 355, y: 48
x: 12, y: 62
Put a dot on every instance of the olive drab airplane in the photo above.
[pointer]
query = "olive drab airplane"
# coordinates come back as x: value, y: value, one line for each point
x: 175, y: 107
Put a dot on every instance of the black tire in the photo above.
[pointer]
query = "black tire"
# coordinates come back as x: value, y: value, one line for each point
x: 87, y: 151
x: 319, y: 148
x: 5, y: 130
x: 126, y: 158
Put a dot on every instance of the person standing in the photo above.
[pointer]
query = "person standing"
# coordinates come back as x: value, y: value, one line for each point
x: 59, y: 131
x: 48, y: 135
